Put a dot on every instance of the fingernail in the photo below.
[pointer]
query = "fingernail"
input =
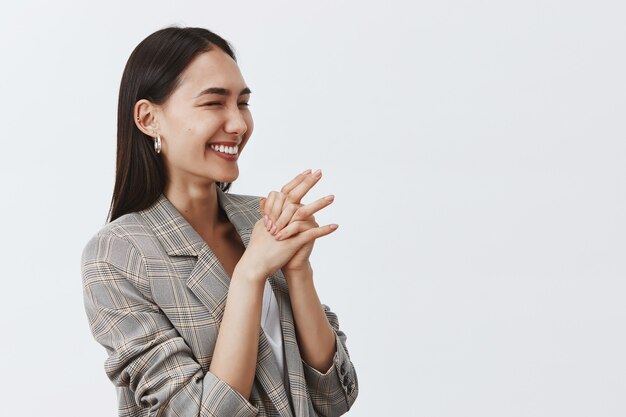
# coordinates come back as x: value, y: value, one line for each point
x: 317, y: 173
x: 273, y: 230
x: 330, y: 197
x: 334, y: 226
x: 279, y: 235
x: 306, y: 172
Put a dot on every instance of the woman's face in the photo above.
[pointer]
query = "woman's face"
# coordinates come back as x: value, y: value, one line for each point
x: 209, y: 107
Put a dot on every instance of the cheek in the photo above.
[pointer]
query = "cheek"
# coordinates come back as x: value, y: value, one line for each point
x: 186, y: 146
x: 249, y: 125
x: 193, y: 138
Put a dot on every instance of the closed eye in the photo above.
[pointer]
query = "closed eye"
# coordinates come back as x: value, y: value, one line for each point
x: 217, y: 103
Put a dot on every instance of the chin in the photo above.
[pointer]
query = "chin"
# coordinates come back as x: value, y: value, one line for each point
x: 227, y: 178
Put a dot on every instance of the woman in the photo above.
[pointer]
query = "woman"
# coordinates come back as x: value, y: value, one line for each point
x: 204, y: 299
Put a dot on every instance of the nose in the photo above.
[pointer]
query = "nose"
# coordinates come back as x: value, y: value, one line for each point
x: 235, y: 122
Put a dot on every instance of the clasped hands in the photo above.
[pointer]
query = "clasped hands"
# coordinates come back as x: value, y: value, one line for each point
x: 286, y: 217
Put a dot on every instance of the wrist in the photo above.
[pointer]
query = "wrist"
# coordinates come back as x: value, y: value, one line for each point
x: 298, y: 276
x: 243, y: 272
x: 307, y: 268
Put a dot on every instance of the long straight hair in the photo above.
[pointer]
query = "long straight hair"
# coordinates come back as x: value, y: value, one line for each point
x: 153, y: 72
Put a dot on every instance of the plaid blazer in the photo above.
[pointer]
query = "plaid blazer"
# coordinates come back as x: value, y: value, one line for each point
x: 155, y: 294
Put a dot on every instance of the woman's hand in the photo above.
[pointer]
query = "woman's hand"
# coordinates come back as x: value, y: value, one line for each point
x: 294, y: 217
x: 265, y: 255
x: 280, y: 206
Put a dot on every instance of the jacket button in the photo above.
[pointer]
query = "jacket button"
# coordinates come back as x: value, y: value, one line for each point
x: 345, y: 380
x: 342, y: 369
x: 350, y: 388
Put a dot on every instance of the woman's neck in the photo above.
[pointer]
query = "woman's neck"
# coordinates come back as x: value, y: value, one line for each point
x: 200, y: 207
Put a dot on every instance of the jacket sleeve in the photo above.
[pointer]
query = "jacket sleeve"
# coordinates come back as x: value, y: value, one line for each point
x: 334, y: 392
x: 145, y: 352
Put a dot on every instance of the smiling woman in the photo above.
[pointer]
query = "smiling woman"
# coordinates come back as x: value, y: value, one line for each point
x: 194, y: 117
x: 203, y: 299
x: 177, y: 88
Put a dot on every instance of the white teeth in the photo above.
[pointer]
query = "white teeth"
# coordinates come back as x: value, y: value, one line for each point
x: 225, y: 149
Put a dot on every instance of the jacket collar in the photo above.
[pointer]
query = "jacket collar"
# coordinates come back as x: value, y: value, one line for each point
x: 180, y: 239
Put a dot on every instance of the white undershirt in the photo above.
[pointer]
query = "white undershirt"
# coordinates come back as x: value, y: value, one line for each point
x: 270, y: 322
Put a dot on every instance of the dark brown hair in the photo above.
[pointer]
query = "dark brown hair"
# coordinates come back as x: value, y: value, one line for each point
x: 153, y: 72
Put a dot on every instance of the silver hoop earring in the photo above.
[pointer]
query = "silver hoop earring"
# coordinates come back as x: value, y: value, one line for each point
x: 157, y: 144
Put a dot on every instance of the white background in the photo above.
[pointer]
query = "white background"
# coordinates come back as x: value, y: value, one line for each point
x: 476, y: 150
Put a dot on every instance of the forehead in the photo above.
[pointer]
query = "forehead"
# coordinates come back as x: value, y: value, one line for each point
x: 211, y: 69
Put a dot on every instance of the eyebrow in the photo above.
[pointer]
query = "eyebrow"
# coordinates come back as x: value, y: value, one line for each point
x: 222, y: 91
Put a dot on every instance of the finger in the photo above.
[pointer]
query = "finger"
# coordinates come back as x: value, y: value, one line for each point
x: 308, y: 209
x: 294, y: 228
x: 316, y: 232
x: 262, y: 204
x: 273, y: 209
x: 277, y: 207
x: 269, y: 203
x: 286, y: 217
x: 267, y: 209
x: 296, y: 212
x: 297, y: 180
x: 295, y: 195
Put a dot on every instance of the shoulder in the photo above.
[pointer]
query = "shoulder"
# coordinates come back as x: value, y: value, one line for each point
x: 243, y: 200
x: 116, y: 240
x: 115, y: 251
x: 242, y: 207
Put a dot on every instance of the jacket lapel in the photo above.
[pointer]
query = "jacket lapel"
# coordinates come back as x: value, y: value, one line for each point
x: 209, y: 282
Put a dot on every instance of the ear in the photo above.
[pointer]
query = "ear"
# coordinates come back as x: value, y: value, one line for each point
x: 144, y: 114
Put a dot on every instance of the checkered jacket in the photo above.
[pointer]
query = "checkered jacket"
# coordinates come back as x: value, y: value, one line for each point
x: 155, y: 294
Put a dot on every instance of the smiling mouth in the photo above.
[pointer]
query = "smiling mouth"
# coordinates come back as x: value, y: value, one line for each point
x: 227, y: 150
x: 224, y: 153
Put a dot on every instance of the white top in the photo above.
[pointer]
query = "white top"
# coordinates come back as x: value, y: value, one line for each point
x: 270, y: 322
